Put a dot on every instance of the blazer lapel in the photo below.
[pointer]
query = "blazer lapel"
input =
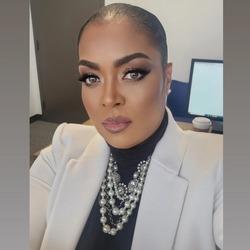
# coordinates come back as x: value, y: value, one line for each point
x: 74, y: 202
x: 163, y: 194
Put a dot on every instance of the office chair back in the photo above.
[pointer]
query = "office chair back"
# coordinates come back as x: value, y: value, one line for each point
x: 178, y: 99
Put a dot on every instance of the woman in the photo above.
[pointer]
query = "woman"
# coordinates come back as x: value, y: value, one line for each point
x: 135, y: 180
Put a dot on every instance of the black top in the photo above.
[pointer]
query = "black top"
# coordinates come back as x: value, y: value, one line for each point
x: 92, y: 237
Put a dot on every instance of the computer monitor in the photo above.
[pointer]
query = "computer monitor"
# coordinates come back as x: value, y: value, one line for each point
x: 206, y: 89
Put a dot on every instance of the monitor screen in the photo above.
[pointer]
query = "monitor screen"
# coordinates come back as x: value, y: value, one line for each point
x: 206, y: 89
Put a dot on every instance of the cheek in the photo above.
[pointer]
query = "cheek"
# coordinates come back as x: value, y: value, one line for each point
x: 89, y: 101
x: 150, y: 95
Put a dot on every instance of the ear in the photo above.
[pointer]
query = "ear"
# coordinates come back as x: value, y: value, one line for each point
x: 168, y: 77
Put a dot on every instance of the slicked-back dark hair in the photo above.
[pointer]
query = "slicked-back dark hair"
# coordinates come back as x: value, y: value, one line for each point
x: 145, y: 20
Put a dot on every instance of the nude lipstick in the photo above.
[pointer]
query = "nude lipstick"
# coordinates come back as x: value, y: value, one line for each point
x: 116, y: 124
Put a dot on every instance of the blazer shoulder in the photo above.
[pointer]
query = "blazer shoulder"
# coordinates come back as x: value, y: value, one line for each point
x: 204, y: 153
x: 202, y: 141
x: 71, y: 139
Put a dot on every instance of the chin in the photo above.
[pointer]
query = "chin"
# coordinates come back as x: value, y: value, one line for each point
x: 119, y: 141
x: 122, y: 146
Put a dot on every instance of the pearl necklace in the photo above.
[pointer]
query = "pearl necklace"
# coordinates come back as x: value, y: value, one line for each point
x: 114, y: 191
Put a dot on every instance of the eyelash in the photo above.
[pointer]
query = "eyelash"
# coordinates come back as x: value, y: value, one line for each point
x: 143, y: 73
x: 84, y: 77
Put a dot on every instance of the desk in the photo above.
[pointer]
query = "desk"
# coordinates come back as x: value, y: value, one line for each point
x: 185, y: 125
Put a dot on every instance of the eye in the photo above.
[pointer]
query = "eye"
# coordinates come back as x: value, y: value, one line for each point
x: 89, y: 79
x: 135, y: 74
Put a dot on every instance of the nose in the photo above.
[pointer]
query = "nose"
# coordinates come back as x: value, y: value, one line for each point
x: 111, y: 95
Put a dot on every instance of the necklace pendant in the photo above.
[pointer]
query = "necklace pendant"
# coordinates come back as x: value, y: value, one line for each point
x: 121, y: 190
x: 116, y: 177
x: 132, y: 185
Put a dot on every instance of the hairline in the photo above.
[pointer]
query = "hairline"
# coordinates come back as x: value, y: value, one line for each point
x: 143, y: 20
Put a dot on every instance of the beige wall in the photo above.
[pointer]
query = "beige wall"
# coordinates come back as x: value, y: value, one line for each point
x: 194, y: 30
x: 35, y: 101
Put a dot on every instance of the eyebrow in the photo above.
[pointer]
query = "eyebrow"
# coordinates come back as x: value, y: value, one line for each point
x: 117, y: 62
x: 129, y: 58
x: 88, y: 64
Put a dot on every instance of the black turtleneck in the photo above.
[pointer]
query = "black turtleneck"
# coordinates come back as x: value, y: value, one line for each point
x: 92, y: 237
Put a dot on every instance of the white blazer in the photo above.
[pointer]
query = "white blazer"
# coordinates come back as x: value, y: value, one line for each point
x: 181, y: 206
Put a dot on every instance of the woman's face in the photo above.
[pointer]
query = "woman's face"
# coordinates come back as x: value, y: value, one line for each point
x: 124, y: 85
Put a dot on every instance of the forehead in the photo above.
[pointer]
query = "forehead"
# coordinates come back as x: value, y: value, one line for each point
x: 115, y: 38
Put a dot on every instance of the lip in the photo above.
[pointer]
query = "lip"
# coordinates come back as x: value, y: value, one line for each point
x: 116, y: 124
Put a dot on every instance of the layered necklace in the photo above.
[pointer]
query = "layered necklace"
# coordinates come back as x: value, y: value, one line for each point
x: 117, y: 200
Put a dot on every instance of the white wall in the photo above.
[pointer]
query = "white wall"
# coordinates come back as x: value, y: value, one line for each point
x: 194, y: 30
x: 35, y: 101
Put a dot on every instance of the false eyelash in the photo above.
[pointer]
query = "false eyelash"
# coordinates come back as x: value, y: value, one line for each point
x: 143, y: 72
x: 83, y: 77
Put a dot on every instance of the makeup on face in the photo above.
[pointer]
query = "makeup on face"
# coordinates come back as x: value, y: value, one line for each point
x: 116, y: 124
x: 122, y: 82
x: 90, y: 79
x: 134, y: 70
